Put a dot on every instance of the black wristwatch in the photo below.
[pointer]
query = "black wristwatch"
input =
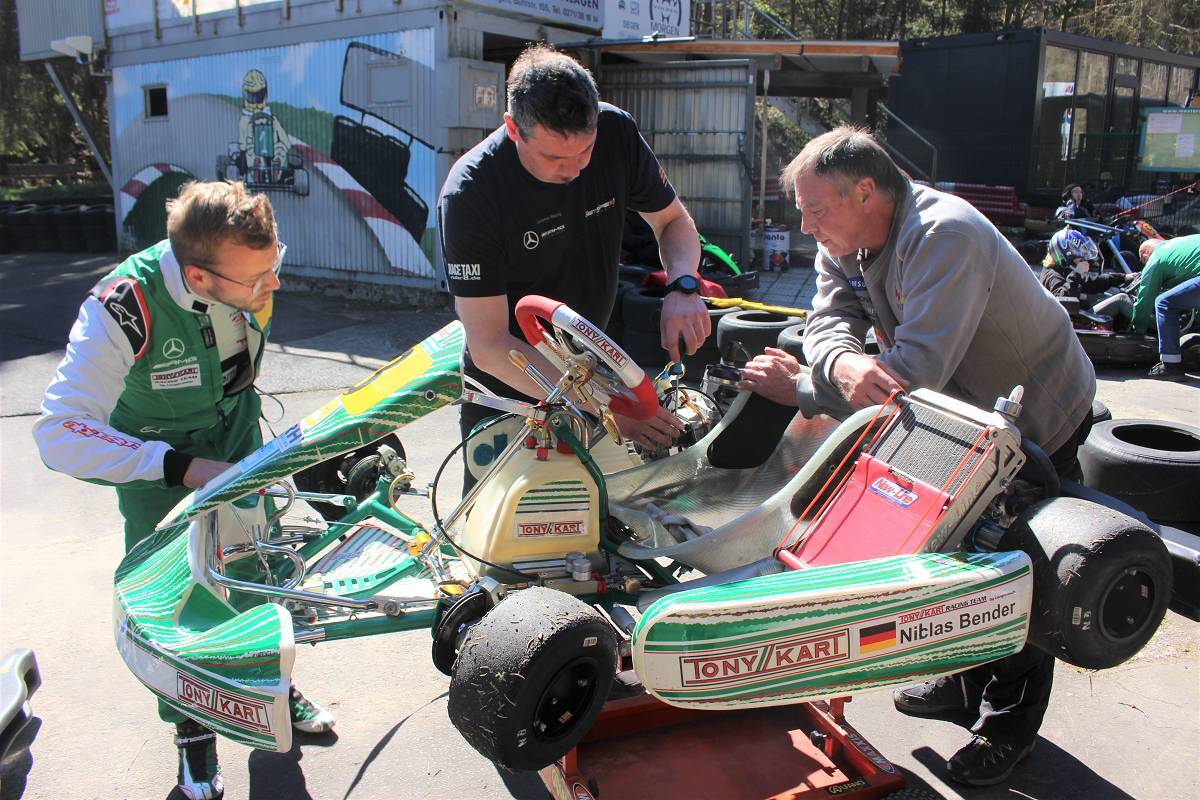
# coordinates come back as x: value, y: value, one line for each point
x: 688, y: 284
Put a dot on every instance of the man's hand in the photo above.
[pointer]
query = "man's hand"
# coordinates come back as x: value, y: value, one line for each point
x: 772, y: 375
x: 684, y: 315
x: 863, y: 381
x: 659, y: 431
x: 203, y: 470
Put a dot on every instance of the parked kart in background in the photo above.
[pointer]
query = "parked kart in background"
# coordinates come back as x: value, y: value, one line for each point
x: 903, y: 543
x: 1109, y: 341
x: 1117, y: 241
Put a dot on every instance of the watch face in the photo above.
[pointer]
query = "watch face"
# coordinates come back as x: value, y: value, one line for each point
x: 686, y: 283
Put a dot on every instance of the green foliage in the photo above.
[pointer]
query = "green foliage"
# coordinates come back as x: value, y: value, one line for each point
x: 35, y: 126
x: 1172, y: 25
x: 80, y: 190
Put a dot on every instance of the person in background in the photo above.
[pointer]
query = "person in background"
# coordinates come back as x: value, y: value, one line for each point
x: 1170, y: 285
x: 1074, y: 205
x: 1066, y: 272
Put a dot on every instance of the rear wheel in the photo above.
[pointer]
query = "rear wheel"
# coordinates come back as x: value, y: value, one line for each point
x: 531, y: 678
x: 1102, y: 581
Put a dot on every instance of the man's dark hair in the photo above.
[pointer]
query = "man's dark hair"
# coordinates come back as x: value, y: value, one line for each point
x: 551, y: 89
x: 848, y: 155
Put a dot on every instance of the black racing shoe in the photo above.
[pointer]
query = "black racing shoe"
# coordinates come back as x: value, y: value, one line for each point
x: 946, y: 694
x: 199, y: 773
x: 1167, y: 372
x: 984, y: 762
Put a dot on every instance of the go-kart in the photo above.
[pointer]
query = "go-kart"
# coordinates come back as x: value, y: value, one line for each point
x: 260, y: 169
x: 822, y: 557
x: 1110, y: 341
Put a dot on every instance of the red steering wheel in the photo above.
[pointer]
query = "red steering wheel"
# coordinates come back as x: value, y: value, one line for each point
x: 639, y: 401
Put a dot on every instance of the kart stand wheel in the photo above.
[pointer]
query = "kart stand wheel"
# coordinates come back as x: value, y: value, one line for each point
x: 531, y: 678
x: 1102, y: 581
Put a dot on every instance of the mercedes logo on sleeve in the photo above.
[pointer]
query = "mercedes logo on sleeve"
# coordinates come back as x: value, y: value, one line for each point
x: 531, y: 240
x: 172, y: 348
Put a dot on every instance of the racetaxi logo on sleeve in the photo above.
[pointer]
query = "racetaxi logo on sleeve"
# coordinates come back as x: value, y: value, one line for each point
x: 463, y: 272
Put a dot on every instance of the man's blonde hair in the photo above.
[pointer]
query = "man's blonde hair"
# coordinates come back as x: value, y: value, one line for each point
x: 208, y: 213
x: 1148, y: 247
x: 846, y: 155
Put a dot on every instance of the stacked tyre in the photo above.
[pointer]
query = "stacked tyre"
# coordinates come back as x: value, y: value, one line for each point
x: 641, y: 319
x: 744, y: 334
x: 68, y: 228
x: 1150, y: 464
x: 20, y: 225
x: 42, y: 220
x: 791, y: 341
x: 99, y: 227
x: 6, y: 237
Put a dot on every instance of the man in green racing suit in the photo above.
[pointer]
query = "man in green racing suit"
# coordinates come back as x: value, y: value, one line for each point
x: 155, y: 394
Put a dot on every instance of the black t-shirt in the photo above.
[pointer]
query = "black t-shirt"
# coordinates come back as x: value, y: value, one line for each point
x: 504, y: 232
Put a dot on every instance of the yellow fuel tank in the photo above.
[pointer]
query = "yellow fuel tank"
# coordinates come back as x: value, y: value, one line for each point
x: 533, y: 511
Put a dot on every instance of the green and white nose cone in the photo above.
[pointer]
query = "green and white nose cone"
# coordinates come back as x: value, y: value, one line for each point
x: 835, y: 630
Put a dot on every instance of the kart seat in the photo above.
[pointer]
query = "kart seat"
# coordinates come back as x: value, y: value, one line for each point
x: 229, y: 671
x: 734, y: 486
x: 925, y: 474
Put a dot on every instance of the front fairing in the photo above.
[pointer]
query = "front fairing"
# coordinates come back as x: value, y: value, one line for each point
x: 416, y: 383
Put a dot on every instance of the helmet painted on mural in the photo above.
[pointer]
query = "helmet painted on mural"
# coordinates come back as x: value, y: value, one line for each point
x: 254, y: 90
x: 1069, y: 244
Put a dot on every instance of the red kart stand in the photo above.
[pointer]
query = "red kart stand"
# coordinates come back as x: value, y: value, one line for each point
x: 641, y: 747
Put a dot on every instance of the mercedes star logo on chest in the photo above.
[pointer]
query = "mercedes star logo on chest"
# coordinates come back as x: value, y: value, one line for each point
x: 172, y: 348
x: 531, y: 240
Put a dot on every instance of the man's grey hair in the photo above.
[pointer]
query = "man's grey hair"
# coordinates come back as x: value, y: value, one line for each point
x: 551, y: 89
x: 847, y: 155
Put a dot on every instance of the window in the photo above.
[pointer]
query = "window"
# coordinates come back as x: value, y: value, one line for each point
x: 1057, y: 112
x: 156, y: 101
x: 1181, y: 85
x: 1154, y: 84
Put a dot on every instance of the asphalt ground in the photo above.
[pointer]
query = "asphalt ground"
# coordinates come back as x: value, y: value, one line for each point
x: 1129, y: 732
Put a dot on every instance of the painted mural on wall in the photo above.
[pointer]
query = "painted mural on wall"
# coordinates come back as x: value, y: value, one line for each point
x: 337, y: 133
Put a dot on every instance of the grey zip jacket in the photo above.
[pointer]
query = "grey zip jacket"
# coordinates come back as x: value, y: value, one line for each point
x: 956, y: 309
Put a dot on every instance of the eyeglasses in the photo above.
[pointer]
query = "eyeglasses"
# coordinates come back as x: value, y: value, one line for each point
x: 256, y: 285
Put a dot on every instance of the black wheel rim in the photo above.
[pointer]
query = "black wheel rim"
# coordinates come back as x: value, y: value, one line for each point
x: 566, y: 699
x: 1127, y: 604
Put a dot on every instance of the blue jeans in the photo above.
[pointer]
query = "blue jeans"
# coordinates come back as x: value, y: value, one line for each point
x: 1168, y: 308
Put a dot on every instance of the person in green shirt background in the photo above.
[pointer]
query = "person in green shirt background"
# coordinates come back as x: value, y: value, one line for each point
x: 1170, y: 286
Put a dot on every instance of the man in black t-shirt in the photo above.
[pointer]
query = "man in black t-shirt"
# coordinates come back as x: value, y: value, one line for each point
x: 538, y: 208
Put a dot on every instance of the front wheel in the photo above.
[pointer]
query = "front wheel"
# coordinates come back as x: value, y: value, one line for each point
x: 531, y: 678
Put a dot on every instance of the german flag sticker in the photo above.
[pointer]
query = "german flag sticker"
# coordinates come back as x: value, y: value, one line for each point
x: 877, y: 637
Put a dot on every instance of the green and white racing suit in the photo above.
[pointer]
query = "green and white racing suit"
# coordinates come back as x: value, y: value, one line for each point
x: 153, y: 373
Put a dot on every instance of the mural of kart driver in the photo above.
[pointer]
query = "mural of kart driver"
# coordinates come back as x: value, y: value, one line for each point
x: 263, y: 155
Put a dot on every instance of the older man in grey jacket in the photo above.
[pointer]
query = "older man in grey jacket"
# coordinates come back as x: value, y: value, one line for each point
x: 954, y: 308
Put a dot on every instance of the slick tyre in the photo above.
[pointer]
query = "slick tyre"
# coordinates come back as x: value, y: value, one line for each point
x: 1150, y: 464
x: 1189, y: 349
x: 1100, y: 412
x: 791, y: 341
x: 744, y: 334
x: 1102, y: 581
x: 531, y: 678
